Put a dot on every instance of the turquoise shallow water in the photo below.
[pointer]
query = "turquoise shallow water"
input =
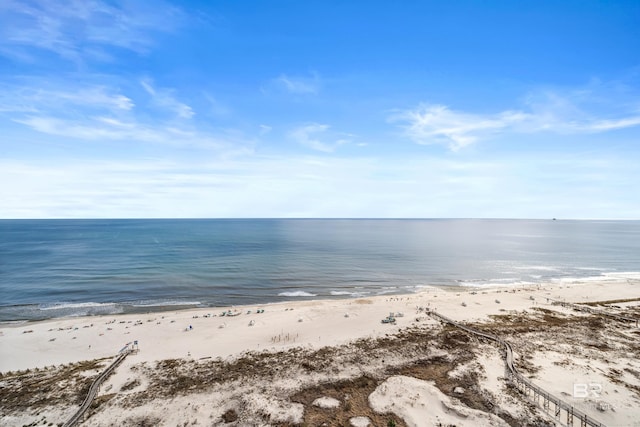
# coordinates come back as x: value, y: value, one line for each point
x: 52, y: 268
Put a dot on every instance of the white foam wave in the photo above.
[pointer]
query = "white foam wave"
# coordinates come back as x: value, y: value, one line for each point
x: 347, y: 293
x: 386, y: 291
x: 496, y: 284
x: 164, y: 303
x: 422, y: 288
x: 505, y: 280
x: 606, y: 277
x: 14, y: 322
x: 635, y: 275
x: 536, y: 267
x: 296, y: 294
x: 74, y: 305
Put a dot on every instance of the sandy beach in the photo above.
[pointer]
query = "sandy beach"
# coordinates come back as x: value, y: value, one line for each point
x: 335, y: 362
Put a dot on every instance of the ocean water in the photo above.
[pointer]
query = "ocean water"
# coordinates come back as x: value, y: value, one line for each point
x: 54, y: 268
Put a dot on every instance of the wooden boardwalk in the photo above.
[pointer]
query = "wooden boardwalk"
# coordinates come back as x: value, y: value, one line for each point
x: 526, y: 387
x: 593, y: 310
x: 93, y: 390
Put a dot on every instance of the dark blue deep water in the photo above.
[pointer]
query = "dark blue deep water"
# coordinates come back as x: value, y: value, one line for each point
x: 52, y: 268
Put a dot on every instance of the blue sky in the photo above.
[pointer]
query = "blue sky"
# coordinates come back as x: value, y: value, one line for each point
x: 493, y: 109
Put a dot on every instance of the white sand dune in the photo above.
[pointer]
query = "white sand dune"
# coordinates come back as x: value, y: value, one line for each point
x: 420, y: 403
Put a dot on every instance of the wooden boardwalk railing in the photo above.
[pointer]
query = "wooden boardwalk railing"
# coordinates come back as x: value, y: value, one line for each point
x: 524, y: 384
x: 93, y: 390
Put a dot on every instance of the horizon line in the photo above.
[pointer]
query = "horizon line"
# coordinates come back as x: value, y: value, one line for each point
x: 320, y: 218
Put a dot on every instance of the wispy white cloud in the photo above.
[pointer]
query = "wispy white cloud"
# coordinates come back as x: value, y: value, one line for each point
x: 310, y: 134
x: 100, y: 128
x: 428, y: 124
x: 265, y: 129
x: 164, y: 98
x: 97, y: 113
x: 30, y: 97
x: 543, y: 111
x: 299, y: 84
x: 599, y: 107
x: 79, y: 29
x: 605, y: 125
